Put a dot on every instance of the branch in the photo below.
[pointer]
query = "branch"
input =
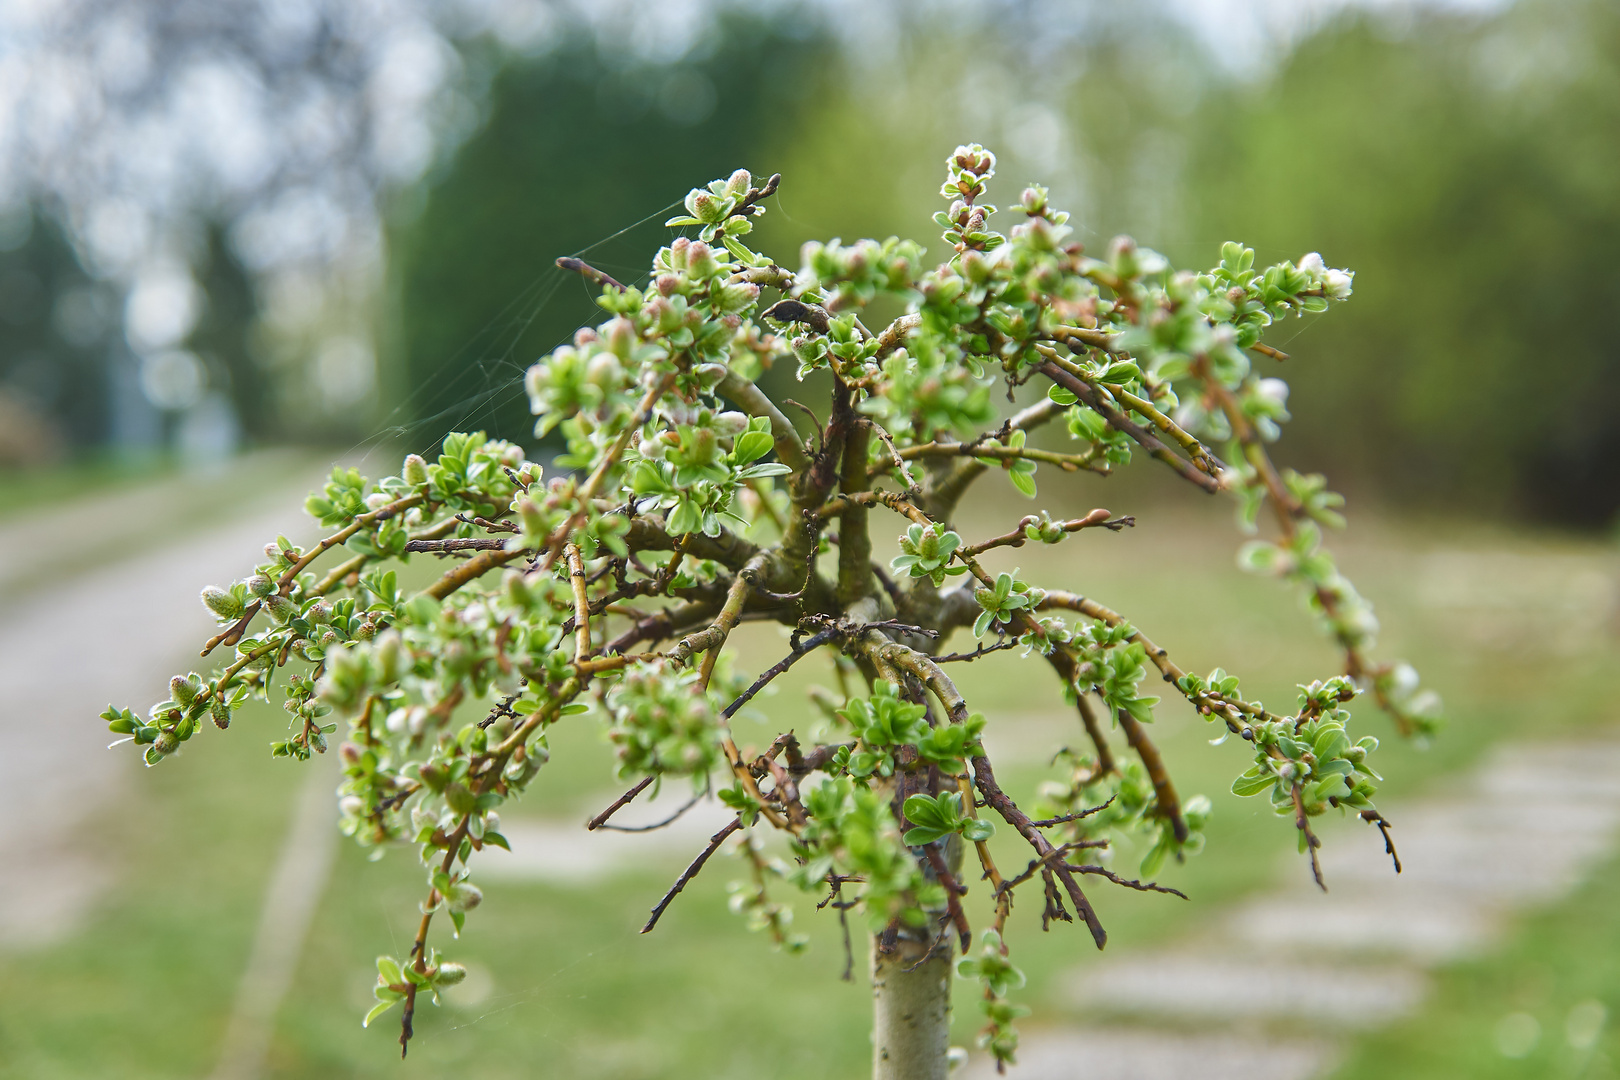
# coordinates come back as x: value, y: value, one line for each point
x: 691, y: 872
x: 444, y: 547
x: 1312, y: 841
x: 1118, y: 420
x: 985, y: 778
x: 1018, y: 538
x: 1129, y: 883
x: 619, y: 804
x: 588, y: 272
x: 799, y: 650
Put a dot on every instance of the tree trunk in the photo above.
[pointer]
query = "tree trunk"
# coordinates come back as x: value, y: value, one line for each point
x: 911, y: 1011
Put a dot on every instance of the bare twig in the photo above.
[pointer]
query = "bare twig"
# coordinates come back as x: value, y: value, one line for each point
x: 691, y: 872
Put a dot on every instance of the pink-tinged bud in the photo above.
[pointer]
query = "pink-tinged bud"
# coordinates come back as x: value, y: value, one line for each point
x: 700, y: 260
x: 584, y: 336
x: 182, y: 691
x: 667, y: 284
x: 166, y: 743
x: 621, y: 337
x: 350, y: 753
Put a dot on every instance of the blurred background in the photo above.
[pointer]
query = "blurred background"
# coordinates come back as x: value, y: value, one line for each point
x: 241, y: 240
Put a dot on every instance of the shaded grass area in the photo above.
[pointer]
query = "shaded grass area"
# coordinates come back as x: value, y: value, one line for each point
x: 22, y: 490
x: 1511, y: 628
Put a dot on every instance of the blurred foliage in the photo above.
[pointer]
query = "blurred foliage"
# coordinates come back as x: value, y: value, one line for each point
x: 1466, y: 171
x: 54, y: 322
x: 578, y: 144
x: 1463, y: 166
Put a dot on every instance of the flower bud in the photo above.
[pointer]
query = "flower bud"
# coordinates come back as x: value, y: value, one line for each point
x: 738, y: 183
x: 183, y: 690
x: 280, y: 608
x: 221, y: 603
x: 351, y: 806
x: 450, y: 973
x: 415, y: 470
x: 387, y: 657
x: 320, y: 612
x: 166, y: 743
x: 533, y: 518
x: 350, y: 753
x: 220, y: 713
x: 260, y: 586
x: 701, y: 262
x: 621, y: 337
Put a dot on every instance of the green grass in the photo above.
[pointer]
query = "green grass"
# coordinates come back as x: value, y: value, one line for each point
x: 576, y: 992
x: 22, y: 490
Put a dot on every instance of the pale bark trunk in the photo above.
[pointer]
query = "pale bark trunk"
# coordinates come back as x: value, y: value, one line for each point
x: 911, y: 1011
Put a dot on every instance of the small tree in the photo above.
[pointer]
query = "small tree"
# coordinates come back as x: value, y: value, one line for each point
x: 678, y: 519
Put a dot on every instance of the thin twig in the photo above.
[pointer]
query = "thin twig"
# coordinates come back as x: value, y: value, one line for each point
x: 619, y: 804
x: 691, y: 872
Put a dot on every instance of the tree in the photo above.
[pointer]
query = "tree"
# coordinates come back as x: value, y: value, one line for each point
x: 682, y: 519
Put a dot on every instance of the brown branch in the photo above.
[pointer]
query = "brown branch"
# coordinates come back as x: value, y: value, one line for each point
x: 1164, y: 790
x: 954, y: 891
x: 985, y: 778
x: 1119, y: 421
x: 1129, y: 883
x: 588, y: 272
x: 1312, y: 841
x: 691, y: 872
x: 619, y: 804
x: 443, y: 547
x: 1098, y: 518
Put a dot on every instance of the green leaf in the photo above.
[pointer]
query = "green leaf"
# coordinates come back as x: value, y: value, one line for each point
x: 376, y: 1011
x: 978, y: 830
x: 1253, y: 782
x: 751, y: 446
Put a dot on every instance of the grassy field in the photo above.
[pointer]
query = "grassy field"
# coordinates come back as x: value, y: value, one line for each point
x: 1516, y: 630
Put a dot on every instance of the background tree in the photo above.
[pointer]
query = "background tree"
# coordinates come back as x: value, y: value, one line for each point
x: 684, y: 519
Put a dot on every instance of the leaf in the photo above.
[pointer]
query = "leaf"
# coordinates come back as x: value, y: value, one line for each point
x: 978, y: 830
x: 389, y: 969
x: 751, y: 446
x: 376, y: 1011
x: 1252, y: 782
x: 923, y: 835
x: 496, y: 839
x: 769, y: 468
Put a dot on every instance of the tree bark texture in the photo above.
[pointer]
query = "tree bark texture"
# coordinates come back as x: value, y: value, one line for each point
x: 911, y: 1011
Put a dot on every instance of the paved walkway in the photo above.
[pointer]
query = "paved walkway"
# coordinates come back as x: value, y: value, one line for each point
x: 1293, y: 973
x: 112, y: 633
